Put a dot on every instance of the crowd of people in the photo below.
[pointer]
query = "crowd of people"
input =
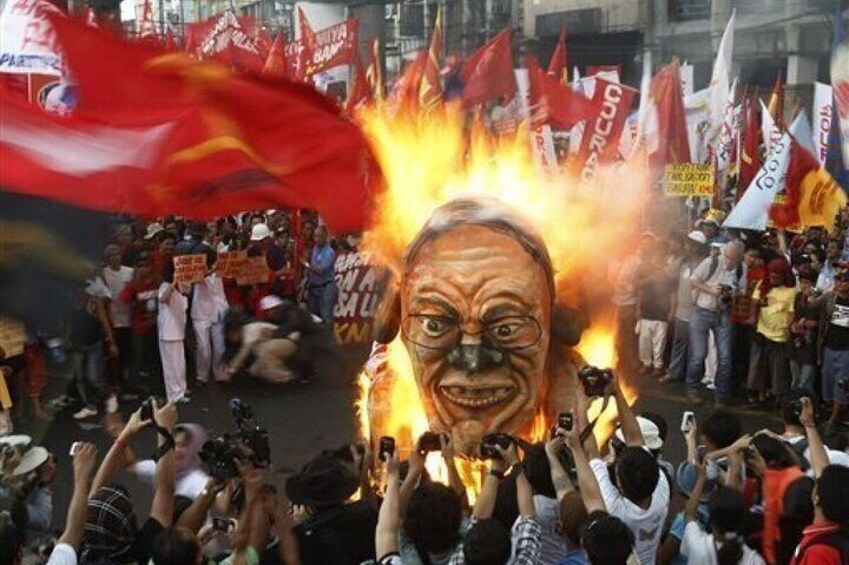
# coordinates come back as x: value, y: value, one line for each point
x: 750, y: 316
x: 133, y: 330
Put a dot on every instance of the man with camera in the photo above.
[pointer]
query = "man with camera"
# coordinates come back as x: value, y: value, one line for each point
x: 715, y: 281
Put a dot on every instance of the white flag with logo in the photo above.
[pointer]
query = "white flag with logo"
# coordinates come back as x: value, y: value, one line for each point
x: 725, y: 140
x: 769, y: 129
x: 823, y: 114
x: 720, y: 81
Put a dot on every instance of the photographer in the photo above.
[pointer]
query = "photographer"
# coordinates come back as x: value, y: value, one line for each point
x: 715, y: 281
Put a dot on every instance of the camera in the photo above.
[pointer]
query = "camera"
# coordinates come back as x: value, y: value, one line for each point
x: 688, y: 419
x: 430, y: 441
x: 225, y: 525
x: 386, y: 448
x: 726, y: 293
x: 220, y: 455
x: 796, y: 407
x: 253, y: 437
x: 564, y: 421
x: 594, y: 380
x: 249, y: 443
x: 489, y: 443
x: 147, y: 409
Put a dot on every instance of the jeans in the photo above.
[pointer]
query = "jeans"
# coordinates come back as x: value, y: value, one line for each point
x: 144, y: 360
x: 321, y: 301
x: 803, y: 376
x: 680, y: 347
x: 89, y: 364
x: 835, y: 369
x: 701, y: 323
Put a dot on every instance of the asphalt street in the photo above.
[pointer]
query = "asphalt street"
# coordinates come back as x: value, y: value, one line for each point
x: 301, y: 421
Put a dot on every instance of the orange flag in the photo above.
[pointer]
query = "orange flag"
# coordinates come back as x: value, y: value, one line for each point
x: 558, y: 66
x: 430, y: 89
x: 488, y: 73
x: 275, y: 64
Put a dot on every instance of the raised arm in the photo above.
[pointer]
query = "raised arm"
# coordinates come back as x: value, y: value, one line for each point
x: 819, y: 455
x: 587, y: 483
x: 691, y: 509
x: 389, y: 518
x: 524, y: 491
x: 454, y: 480
x: 485, y: 504
x: 162, y: 508
x: 193, y: 517
x: 84, y: 462
x: 630, y: 426
x: 416, y: 464
x: 559, y: 477
x: 115, y: 459
x: 284, y: 529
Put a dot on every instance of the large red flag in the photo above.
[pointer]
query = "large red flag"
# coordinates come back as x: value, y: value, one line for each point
x: 488, y: 73
x: 430, y: 89
x: 673, y: 143
x: 360, y: 89
x: 555, y: 103
x: 406, y: 90
x: 159, y: 133
x: 600, y: 140
x: 558, y: 66
x: 275, y: 64
x: 305, y: 56
x: 750, y: 158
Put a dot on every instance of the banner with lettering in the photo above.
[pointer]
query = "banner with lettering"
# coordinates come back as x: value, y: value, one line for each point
x: 823, y: 113
x: 688, y: 179
x: 227, y: 38
x: 356, y: 278
x: 335, y: 45
x: 27, y: 39
x: 600, y: 140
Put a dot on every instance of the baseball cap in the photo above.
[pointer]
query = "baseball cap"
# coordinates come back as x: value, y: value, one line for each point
x: 32, y: 459
x: 697, y: 236
x: 260, y: 232
x: 651, y: 433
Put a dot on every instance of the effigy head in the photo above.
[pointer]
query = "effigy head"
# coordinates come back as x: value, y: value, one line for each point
x: 475, y: 311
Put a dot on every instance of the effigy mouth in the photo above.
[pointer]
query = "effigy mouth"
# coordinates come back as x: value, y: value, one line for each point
x: 477, y: 396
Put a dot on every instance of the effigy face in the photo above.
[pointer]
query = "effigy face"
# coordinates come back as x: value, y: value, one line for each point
x: 476, y: 322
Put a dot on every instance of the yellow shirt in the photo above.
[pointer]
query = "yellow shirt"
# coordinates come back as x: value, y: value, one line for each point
x: 775, y: 317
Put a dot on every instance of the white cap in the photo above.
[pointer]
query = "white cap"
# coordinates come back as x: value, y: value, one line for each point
x: 651, y: 433
x: 269, y: 302
x: 260, y: 232
x: 153, y: 229
x: 32, y: 460
x: 15, y: 440
x: 697, y: 236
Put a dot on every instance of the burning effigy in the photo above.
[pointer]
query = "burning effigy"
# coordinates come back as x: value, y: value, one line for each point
x: 486, y: 320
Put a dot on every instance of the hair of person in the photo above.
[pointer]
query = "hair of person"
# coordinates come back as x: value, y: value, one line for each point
x: 163, y: 235
x: 168, y: 272
x: 13, y: 526
x: 489, y: 213
x: 538, y: 470
x: 573, y: 516
x: 487, y: 543
x: 110, y: 249
x: 722, y: 427
x: 174, y: 546
x: 211, y: 255
x: 606, y: 539
x: 433, y: 519
x: 637, y: 473
x: 788, y: 414
x: 774, y: 451
x: 737, y: 246
x: 726, y: 510
x: 833, y: 491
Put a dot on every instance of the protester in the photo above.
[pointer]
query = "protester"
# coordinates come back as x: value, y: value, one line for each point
x: 141, y: 296
x: 171, y: 325
x: 321, y: 280
x: 654, y: 309
x: 209, y: 305
x: 117, y: 277
x: 803, y: 336
x: 834, y: 348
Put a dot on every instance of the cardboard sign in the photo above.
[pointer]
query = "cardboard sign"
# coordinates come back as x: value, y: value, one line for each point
x: 688, y: 179
x: 356, y: 279
x: 254, y: 270
x: 231, y: 263
x: 27, y: 39
x: 189, y: 268
x: 12, y: 337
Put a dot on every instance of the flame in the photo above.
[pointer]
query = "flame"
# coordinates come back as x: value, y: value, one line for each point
x: 430, y: 160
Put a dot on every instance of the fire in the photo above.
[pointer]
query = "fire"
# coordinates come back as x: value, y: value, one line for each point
x: 429, y: 160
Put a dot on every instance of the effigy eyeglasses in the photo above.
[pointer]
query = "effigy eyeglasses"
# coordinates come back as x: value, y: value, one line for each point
x: 444, y: 333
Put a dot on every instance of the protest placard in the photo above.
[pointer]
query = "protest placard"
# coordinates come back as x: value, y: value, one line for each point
x: 254, y: 270
x: 231, y: 263
x: 688, y: 179
x: 189, y: 268
x: 12, y: 336
x: 356, y: 279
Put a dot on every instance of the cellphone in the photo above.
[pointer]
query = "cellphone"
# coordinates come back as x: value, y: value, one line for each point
x: 430, y: 441
x: 386, y: 448
x: 147, y: 409
x: 75, y: 447
x: 225, y: 525
x: 565, y: 421
x: 701, y: 451
x: 687, y: 421
x: 490, y: 441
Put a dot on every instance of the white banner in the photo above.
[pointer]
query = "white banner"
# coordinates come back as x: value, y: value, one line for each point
x: 727, y: 134
x: 823, y: 113
x: 27, y: 40
x: 720, y: 81
x: 769, y: 129
x: 696, y: 110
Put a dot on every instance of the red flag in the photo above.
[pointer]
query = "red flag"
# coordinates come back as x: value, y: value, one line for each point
x: 161, y: 133
x: 360, y: 90
x: 226, y: 39
x: 305, y: 56
x: 430, y: 89
x: 555, y: 103
x: 406, y: 89
x: 147, y: 29
x: 488, y: 73
x: 558, y: 67
x: 599, y: 142
x: 673, y: 143
x: 785, y: 213
x: 750, y: 159
x: 275, y: 64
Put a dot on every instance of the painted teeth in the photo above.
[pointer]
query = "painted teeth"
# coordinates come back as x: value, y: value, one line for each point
x: 476, y: 397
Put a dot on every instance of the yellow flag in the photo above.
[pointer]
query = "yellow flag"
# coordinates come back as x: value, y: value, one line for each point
x: 821, y: 199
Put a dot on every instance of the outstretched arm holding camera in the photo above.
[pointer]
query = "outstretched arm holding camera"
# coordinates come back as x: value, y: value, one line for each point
x: 193, y: 517
x: 115, y: 459
x: 587, y: 484
x: 630, y: 427
x: 485, y: 504
x: 162, y: 508
x: 446, y: 441
x: 389, y: 518
x: 819, y: 455
x: 559, y: 477
x: 72, y: 537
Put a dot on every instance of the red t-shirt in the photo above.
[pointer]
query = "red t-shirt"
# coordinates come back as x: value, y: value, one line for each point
x: 817, y: 553
x: 142, y: 296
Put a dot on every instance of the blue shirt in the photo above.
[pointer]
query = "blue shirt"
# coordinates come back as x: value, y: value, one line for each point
x: 575, y: 557
x: 322, y: 260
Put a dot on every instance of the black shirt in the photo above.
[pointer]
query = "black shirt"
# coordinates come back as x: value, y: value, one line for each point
x: 341, y: 535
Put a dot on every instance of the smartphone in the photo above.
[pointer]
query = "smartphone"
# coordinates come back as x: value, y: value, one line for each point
x: 687, y: 421
x: 565, y: 421
x: 430, y: 442
x: 386, y: 448
x: 225, y: 525
x: 701, y: 451
x: 75, y: 447
x: 147, y: 409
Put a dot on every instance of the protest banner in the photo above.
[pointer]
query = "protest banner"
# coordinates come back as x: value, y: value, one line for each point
x: 688, y: 179
x: 823, y: 112
x: 356, y: 279
x: 231, y: 263
x: 253, y: 271
x: 189, y: 268
x: 335, y: 45
x: 227, y: 38
x: 12, y: 337
x: 27, y: 39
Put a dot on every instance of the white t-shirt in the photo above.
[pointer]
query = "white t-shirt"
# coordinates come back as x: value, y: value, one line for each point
x: 700, y: 549
x: 834, y: 457
x: 552, y: 549
x: 209, y: 302
x: 189, y: 485
x: 647, y: 524
x: 116, y: 281
x: 171, y: 319
x: 62, y: 554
